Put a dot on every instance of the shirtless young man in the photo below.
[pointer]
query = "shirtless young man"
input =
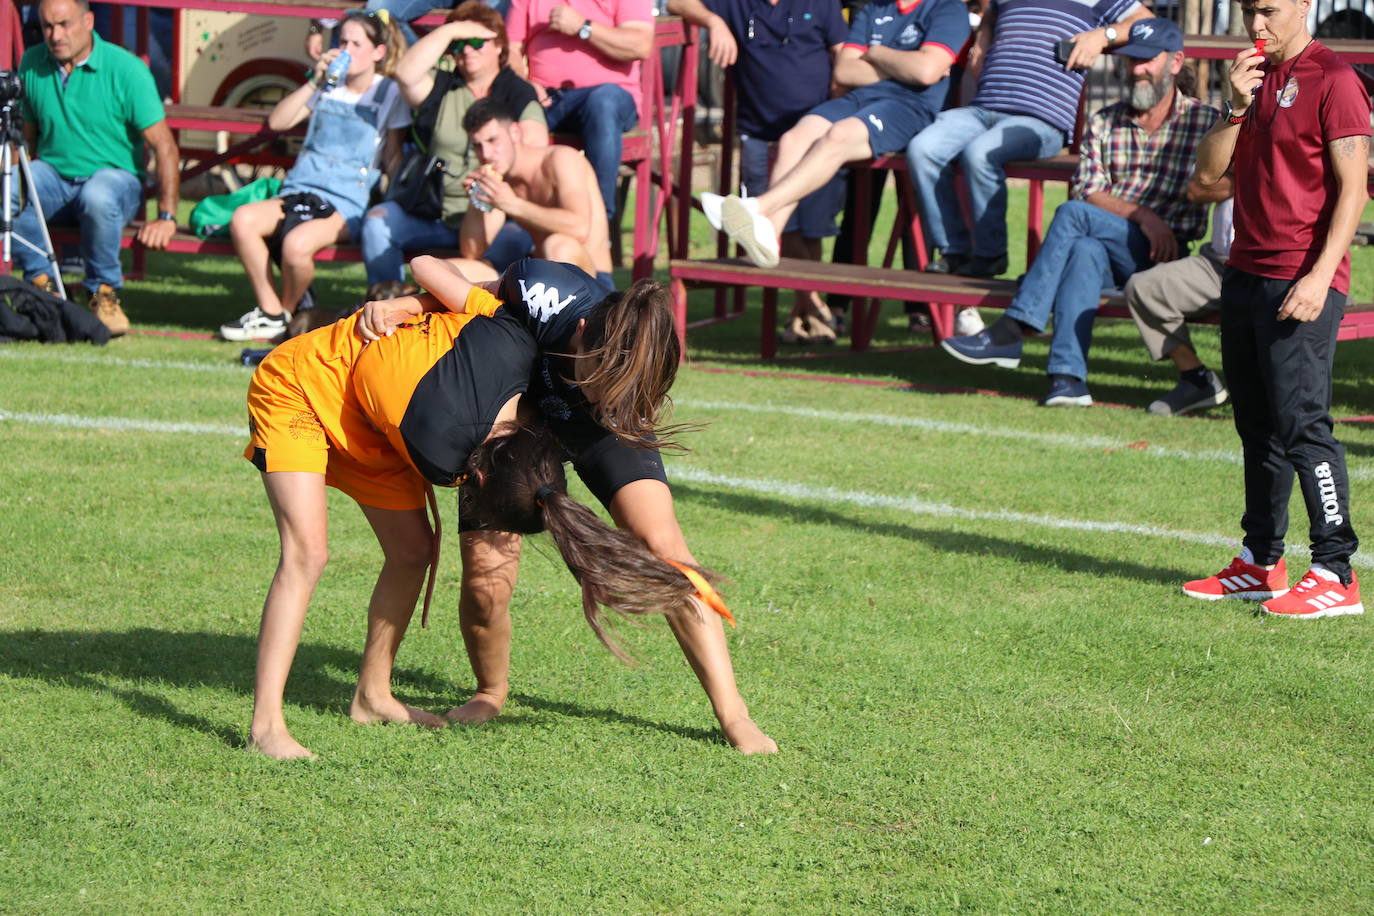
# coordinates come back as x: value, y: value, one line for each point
x: 551, y: 192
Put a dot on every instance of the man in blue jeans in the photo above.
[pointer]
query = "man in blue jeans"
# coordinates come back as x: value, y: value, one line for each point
x: 1134, y: 204
x: 584, y: 61
x: 1025, y: 107
x: 89, y: 107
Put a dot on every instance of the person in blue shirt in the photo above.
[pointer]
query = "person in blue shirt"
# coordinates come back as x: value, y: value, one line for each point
x: 896, y: 68
x: 783, y: 53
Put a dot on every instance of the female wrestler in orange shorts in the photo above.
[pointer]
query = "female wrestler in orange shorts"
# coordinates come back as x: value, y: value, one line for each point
x: 377, y: 421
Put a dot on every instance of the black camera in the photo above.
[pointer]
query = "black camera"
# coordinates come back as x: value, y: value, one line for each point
x: 11, y: 87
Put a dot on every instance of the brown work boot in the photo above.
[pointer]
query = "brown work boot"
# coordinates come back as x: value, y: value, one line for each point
x: 105, y: 304
x: 42, y: 282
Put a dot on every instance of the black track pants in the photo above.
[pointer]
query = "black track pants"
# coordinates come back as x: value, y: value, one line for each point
x: 1279, y: 373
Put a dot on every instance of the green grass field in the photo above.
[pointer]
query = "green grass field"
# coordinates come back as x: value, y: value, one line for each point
x: 959, y: 617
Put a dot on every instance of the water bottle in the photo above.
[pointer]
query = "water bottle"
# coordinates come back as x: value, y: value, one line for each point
x: 475, y: 195
x: 251, y: 357
x: 338, y: 69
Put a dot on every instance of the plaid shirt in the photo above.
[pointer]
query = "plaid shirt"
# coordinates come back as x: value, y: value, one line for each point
x: 1120, y: 157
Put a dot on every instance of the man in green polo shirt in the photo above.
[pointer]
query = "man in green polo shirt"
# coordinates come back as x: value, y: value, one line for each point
x: 89, y: 108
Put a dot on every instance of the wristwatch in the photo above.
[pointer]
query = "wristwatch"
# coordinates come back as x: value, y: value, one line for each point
x: 585, y: 33
x: 1230, y: 115
x: 167, y: 214
x: 1110, y: 34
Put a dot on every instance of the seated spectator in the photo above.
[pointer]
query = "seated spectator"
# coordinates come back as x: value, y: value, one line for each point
x: 584, y: 62
x: 1026, y: 107
x: 355, y: 128
x: 783, y: 55
x: 550, y: 191
x: 1164, y: 297
x: 89, y: 107
x: 475, y: 38
x: 1134, y: 206
x: 895, y: 66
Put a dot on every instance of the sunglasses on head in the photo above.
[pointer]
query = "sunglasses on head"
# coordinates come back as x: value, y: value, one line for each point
x: 474, y: 43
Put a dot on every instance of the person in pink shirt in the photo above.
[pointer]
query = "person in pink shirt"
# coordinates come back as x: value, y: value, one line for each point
x: 583, y: 59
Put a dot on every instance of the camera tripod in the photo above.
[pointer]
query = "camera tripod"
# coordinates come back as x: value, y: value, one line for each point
x: 12, y: 138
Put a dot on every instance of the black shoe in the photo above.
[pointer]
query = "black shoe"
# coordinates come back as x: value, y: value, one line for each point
x: 918, y: 322
x: 978, y: 266
x: 948, y: 263
x: 1188, y: 396
x: 1067, y: 391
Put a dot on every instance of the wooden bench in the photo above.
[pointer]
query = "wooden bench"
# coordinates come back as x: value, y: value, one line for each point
x: 870, y: 285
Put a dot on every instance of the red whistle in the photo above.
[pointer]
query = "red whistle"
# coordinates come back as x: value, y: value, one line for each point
x: 1259, y: 46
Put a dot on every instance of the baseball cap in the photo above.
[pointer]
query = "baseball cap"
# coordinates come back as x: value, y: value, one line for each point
x: 1149, y: 37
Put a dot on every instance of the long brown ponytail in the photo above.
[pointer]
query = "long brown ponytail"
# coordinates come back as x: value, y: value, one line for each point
x: 517, y: 484
x: 632, y: 341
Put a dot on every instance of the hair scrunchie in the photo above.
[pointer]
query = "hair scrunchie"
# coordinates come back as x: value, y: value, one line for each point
x: 541, y: 496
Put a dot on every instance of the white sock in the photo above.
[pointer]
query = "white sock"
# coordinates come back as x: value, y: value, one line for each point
x: 1325, y: 573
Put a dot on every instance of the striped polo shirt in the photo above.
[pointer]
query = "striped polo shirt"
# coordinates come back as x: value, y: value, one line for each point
x: 1020, y: 75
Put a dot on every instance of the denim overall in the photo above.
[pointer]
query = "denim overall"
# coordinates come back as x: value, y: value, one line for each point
x: 339, y: 160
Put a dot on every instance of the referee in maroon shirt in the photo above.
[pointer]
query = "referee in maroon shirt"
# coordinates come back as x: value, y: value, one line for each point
x: 1295, y: 138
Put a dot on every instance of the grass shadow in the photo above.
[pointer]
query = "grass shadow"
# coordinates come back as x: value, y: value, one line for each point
x: 322, y: 677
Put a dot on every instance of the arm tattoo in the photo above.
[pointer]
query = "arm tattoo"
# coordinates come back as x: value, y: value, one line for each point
x: 1350, y: 147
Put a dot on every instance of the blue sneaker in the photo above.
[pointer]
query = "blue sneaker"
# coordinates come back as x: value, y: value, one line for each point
x: 979, y: 350
x: 1067, y: 391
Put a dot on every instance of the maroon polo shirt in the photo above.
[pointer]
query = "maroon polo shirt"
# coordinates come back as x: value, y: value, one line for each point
x: 1285, y: 182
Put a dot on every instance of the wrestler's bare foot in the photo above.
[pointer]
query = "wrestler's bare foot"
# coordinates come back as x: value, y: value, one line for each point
x: 748, y: 738
x: 481, y: 708
x: 369, y: 710
x: 279, y: 745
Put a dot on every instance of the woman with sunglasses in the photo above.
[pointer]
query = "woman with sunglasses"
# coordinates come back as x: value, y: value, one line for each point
x: 443, y: 75
x: 357, y: 120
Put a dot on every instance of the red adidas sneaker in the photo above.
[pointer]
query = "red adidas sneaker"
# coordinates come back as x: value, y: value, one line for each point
x: 1241, y: 580
x: 1317, y: 596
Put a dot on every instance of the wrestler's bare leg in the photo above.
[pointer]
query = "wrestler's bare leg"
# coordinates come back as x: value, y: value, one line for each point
x: 491, y: 561
x: 646, y: 508
x: 298, y: 502
x: 406, y: 539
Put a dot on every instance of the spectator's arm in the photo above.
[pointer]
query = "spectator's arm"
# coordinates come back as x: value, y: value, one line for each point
x: 1088, y: 46
x: 1163, y: 242
x: 157, y: 233
x: 31, y: 139
x: 517, y: 61
x: 721, y: 46
x: 414, y: 71
x: 295, y: 107
x: 1199, y: 193
x: 982, y: 40
x: 925, y: 66
x: 534, y: 133
x: 625, y: 42
x: 852, y: 70
x: 477, y: 230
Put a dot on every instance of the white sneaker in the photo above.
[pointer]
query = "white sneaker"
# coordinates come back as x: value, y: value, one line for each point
x: 710, y: 206
x: 968, y: 322
x: 745, y: 225
x: 254, y: 325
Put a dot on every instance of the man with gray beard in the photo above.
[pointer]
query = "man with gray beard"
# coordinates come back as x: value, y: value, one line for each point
x: 1133, y: 204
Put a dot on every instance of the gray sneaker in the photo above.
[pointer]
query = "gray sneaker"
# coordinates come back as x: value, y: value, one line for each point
x: 1187, y: 397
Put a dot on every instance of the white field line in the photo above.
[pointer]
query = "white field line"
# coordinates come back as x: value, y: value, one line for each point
x: 786, y: 489
x: 47, y: 355
x: 1059, y: 440
x: 121, y: 424
x: 914, y: 506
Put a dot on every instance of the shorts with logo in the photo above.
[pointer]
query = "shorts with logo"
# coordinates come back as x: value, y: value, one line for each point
x: 892, y: 113
x: 303, y: 415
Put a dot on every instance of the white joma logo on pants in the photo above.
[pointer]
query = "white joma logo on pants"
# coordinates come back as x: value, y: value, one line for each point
x: 1326, y: 489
